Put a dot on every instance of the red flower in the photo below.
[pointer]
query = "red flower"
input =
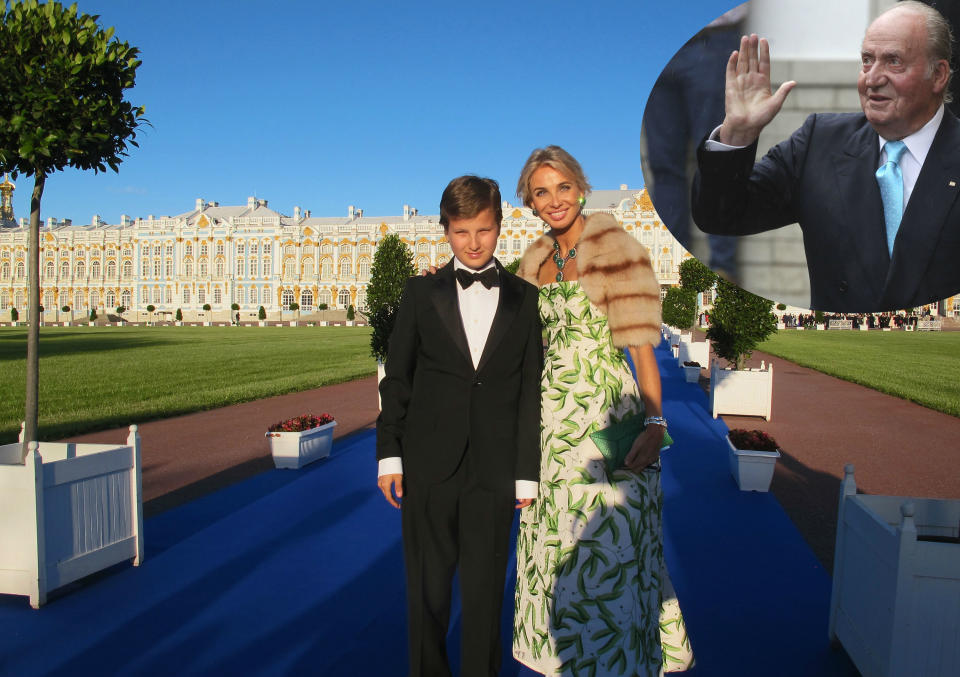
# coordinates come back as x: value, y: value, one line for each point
x: 300, y: 423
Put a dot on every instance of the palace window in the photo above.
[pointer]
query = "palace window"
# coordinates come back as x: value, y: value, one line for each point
x: 220, y: 250
x: 94, y: 299
x: 126, y: 298
x: 253, y: 295
x: 168, y: 268
x: 18, y: 300
x: 324, y: 297
x: 364, y: 249
x: 5, y: 271
x: 666, y: 266
x: 203, y: 268
x: 286, y: 298
x: 65, y: 270
x: 168, y: 295
x: 442, y: 261
x: 4, y: 300
x: 326, y: 270
x: 343, y: 298
x: 423, y: 248
x: 254, y: 268
x: 94, y: 269
x: 156, y: 295
x: 144, y: 268
x: 306, y: 300
x: 19, y: 270
x: 204, y: 250
x: 345, y: 268
x: 188, y: 249
x: 219, y: 268
x: 111, y: 300
x: 77, y: 300
x: 345, y: 250
x: 422, y: 264
x: 186, y: 295
x: 169, y: 249
x: 201, y: 295
x: 156, y: 268
x: 156, y: 250
x: 253, y: 247
x: 502, y: 246
x: 265, y: 265
x: 362, y: 299
x: 241, y: 293
x: 308, y: 269
x: 289, y: 250
x: 290, y: 269
x: 240, y: 248
x: 111, y: 269
x: 217, y: 296
x: 517, y: 245
x: 49, y: 270
x: 127, y: 252
x: 266, y: 247
x: 241, y: 268
x: 363, y: 268
x: 188, y: 268
x: 326, y: 249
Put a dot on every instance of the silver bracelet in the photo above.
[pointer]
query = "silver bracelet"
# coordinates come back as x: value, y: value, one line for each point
x: 656, y: 420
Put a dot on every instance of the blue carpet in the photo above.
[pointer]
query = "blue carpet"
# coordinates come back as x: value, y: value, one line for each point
x: 301, y: 573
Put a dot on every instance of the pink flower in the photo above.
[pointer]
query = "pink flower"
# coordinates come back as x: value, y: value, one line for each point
x: 300, y: 423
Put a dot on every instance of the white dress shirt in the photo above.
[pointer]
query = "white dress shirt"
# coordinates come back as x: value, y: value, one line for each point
x: 918, y: 145
x: 478, y: 306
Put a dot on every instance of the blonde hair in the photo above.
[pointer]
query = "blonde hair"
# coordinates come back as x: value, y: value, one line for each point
x: 551, y: 156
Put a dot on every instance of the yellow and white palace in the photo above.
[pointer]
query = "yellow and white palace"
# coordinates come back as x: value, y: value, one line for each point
x: 253, y: 256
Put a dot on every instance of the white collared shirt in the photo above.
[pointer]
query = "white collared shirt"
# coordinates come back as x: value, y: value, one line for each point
x: 918, y: 145
x: 478, y: 306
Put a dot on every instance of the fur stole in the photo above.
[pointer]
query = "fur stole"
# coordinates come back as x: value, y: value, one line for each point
x: 615, y: 273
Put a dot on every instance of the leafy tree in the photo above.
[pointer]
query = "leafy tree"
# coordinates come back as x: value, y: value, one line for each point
x: 14, y: 315
x: 781, y: 306
x: 93, y: 314
x: 61, y: 105
x: 351, y: 313
x: 65, y: 309
x: 294, y: 306
x: 392, y: 266
x: 513, y: 266
x: 234, y: 306
x: 818, y: 317
x: 739, y: 321
x: 206, y: 306
x: 321, y: 306
x: 151, y: 308
x: 121, y: 310
x: 696, y: 276
x: 262, y: 313
x: 680, y: 307
x: 179, y: 315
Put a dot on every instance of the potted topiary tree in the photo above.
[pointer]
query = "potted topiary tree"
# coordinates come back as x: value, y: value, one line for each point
x: 739, y: 321
x: 178, y: 318
x: 351, y: 314
x: 120, y: 311
x: 150, y: 309
x: 235, y: 308
x: 392, y: 266
x: 14, y: 316
x: 65, y: 309
x: 93, y: 316
x: 322, y: 307
x: 262, y: 316
x: 206, y: 320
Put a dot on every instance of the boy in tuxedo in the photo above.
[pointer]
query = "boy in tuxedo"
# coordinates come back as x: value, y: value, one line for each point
x: 458, y: 436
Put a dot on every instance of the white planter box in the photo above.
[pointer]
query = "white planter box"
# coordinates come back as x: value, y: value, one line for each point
x: 821, y: 327
x: 295, y: 450
x: 692, y: 374
x: 262, y: 323
x: 69, y: 511
x: 293, y: 323
x: 864, y: 327
x: 742, y: 393
x: 698, y: 351
x: 895, y: 605
x: 753, y: 470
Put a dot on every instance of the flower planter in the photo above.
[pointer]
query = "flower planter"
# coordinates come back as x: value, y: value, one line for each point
x: 697, y: 351
x: 293, y: 323
x: 692, y: 374
x: 821, y: 327
x: 896, y: 583
x: 69, y: 511
x: 747, y: 392
x: 753, y: 470
x: 296, y: 449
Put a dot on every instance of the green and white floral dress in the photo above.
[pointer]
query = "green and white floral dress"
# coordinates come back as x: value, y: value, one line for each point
x: 593, y: 597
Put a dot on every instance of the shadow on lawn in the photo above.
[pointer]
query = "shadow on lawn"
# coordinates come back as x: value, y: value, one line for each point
x: 14, y: 346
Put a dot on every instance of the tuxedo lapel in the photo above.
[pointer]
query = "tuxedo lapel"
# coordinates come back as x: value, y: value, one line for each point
x: 444, y: 298
x: 926, y: 215
x: 507, y: 308
x: 866, y: 236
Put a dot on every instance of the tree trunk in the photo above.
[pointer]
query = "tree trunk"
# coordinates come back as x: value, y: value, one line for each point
x: 31, y: 407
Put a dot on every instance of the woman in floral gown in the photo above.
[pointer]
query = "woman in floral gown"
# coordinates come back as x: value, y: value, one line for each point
x: 593, y: 597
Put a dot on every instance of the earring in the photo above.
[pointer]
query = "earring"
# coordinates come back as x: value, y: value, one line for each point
x: 582, y: 200
x: 535, y: 212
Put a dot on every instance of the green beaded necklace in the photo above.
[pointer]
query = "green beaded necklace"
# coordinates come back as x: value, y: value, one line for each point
x: 562, y: 260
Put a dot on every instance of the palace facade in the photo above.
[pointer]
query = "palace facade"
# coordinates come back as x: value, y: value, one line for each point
x: 253, y: 256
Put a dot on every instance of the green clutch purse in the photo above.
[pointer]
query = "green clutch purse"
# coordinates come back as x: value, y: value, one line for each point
x: 614, y: 442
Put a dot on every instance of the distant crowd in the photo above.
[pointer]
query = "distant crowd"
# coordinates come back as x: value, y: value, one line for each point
x: 871, y: 320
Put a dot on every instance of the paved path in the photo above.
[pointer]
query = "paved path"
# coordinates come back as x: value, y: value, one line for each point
x: 821, y: 423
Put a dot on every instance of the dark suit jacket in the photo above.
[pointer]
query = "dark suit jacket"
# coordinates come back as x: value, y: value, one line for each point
x: 822, y: 177
x: 434, y: 403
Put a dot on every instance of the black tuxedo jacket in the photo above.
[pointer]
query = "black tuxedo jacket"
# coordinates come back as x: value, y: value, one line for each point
x: 434, y: 402
x: 822, y: 177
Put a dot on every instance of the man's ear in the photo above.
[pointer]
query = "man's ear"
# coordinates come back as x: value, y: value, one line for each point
x: 941, y: 72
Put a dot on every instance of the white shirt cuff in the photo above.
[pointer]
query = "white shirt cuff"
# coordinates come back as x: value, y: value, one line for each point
x: 390, y: 466
x: 712, y: 144
x: 527, y: 489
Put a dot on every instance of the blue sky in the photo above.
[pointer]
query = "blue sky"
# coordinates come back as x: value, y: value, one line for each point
x: 374, y: 104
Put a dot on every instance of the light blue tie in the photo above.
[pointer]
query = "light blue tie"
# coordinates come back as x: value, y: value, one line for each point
x: 890, y: 179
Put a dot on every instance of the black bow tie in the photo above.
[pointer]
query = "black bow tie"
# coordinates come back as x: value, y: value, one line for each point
x: 487, y: 278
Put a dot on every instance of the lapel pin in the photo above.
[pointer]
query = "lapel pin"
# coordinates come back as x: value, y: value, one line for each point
x: 952, y: 184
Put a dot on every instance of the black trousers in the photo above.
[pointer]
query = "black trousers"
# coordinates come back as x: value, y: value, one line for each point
x: 446, y: 526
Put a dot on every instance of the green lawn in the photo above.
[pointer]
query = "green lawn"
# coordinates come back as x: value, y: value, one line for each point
x: 922, y: 367
x: 92, y: 378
